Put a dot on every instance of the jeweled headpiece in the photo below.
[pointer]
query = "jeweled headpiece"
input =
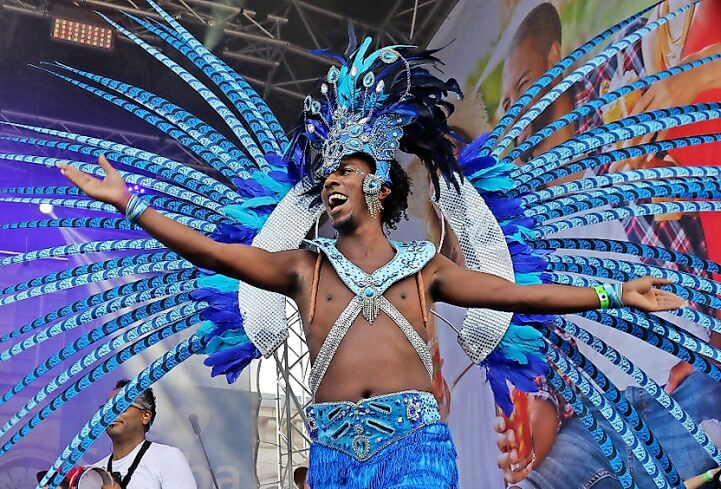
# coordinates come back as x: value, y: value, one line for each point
x: 376, y: 103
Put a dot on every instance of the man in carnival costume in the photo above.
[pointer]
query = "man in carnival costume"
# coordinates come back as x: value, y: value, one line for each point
x: 364, y: 299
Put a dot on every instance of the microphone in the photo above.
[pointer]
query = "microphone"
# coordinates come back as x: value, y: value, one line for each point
x: 193, y: 420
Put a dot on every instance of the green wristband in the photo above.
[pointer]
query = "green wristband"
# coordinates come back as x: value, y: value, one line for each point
x: 602, y: 296
x: 708, y: 476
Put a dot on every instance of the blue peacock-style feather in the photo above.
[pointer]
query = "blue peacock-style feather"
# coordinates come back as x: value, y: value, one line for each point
x: 258, y: 165
x: 206, y: 136
x: 188, y: 314
x: 164, y: 168
x: 119, y: 403
x: 627, y: 248
x: 549, y: 76
x: 616, y: 397
x: 96, y: 374
x: 536, y: 109
x: 645, y: 383
x: 102, y: 297
x: 610, y: 413
x: 666, y: 337
x: 597, y: 103
x: 593, y: 426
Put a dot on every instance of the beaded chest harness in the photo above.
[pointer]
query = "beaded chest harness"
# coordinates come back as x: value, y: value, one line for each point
x: 410, y: 258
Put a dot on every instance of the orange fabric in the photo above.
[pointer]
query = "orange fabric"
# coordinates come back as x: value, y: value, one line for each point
x: 314, y: 287
x: 422, y: 297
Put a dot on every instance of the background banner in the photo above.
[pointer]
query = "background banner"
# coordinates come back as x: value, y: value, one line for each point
x: 496, y: 50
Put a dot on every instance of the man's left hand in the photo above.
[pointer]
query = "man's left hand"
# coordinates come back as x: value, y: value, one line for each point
x: 678, y: 374
x: 642, y: 293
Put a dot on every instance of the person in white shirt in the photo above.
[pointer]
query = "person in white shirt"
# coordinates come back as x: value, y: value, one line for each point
x: 137, y: 463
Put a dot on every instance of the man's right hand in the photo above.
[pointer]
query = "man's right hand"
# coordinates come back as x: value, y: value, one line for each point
x: 276, y: 272
x: 509, y: 455
x: 112, y: 189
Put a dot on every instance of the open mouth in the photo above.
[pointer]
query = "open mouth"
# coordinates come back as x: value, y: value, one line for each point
x: 335, y: 200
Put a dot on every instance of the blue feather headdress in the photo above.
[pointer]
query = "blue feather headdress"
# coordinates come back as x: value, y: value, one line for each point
x: 377, y: 103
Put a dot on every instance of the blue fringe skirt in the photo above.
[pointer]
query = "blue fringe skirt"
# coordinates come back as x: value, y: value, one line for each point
x: 387, y: 442
x: 424, y: 459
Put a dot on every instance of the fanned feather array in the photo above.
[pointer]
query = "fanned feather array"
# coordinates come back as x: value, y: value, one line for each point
x: 258, y: 165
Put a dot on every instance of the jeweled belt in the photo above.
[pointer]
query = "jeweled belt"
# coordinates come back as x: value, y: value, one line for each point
x: 363, y: 429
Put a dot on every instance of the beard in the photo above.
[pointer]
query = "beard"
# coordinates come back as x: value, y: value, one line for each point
x: 344, y: 225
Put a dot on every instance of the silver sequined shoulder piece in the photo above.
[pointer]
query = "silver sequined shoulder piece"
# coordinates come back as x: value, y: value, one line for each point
x: 263, y: 311
x: 410, y: 258
x: 484, y: 249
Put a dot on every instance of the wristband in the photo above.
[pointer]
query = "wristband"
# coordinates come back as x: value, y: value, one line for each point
x: 708, y: 476
x: 602, y: 296
x: 609, y: 295
x: 615, y: 293
x: 136, y: 206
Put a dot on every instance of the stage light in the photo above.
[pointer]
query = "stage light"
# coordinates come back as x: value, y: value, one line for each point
x: 79, y: 26
x: 46, y: 208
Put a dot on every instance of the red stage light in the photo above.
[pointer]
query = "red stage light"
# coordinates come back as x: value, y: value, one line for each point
x: 82, y: 33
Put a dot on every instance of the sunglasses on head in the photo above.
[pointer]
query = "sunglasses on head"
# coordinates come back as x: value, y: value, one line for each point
x: 136, y: 405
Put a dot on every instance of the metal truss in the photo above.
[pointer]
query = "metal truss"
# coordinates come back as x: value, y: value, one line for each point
x: 269, y: 42
x: 293, y: 396
x: 289, y: 437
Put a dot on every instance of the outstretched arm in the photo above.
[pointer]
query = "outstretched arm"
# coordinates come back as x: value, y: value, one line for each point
x: 277, y: 272
x: 461, y: 287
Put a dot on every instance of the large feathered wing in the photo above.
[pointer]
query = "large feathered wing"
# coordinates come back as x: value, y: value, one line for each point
x: 532, y: 210
x: 251, y: 196
x: 161, y: 294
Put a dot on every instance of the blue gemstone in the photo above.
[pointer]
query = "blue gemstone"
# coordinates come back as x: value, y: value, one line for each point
x: 368, y: 79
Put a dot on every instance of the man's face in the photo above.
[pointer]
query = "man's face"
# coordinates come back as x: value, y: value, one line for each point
x: 342, y: 193
x: 524, y: 65
x: 130, y: 423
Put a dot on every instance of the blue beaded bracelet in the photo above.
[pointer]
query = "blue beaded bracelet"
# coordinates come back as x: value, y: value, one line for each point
x: 136, y: 206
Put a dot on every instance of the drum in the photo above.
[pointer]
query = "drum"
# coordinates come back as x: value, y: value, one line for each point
x: 94, y: 478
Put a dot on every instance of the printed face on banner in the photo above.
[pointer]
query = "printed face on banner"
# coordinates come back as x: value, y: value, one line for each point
x: 499, y: 54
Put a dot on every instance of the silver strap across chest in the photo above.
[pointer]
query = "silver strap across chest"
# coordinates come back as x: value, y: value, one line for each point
x: 343, y: 324
x: 370, y: 306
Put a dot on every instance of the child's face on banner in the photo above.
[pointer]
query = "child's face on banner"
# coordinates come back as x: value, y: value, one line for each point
x: 526, y: 63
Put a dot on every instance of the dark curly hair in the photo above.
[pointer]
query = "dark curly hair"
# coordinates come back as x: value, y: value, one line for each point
x: 145, y: 399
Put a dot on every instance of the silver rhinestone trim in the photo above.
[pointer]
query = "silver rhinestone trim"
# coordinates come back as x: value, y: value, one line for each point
x: 264, y: 312
x: 332, y: 342
x: 485, y: 250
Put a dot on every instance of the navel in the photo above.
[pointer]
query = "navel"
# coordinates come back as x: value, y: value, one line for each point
x: 404, y: 295
x: 329, y: 297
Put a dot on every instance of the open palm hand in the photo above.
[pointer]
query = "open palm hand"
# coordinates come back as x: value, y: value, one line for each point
x: 643, y: 294
x: 111, y: 189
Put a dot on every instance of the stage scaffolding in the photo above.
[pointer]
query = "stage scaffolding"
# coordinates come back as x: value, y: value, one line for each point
x: 270, y: 45
x: 293, y: 367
